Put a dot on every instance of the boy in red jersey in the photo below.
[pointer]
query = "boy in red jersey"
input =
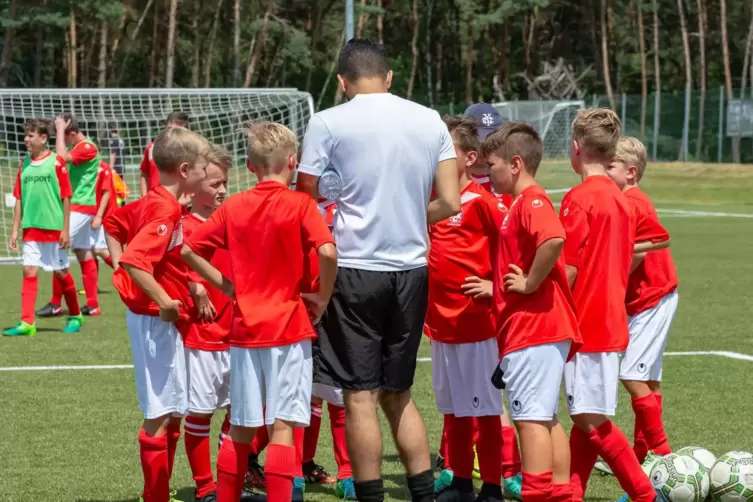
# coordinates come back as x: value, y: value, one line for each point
x: 267, y: 231
x: 148, y: 171
x: 461, y: 327
x: 651, y: 303
x: 42, y: 212
x: 536, y: 324
x: 152, y: 281
x: 598, y: 252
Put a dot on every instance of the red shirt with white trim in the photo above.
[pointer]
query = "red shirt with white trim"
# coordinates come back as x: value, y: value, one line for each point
x: 600, y: 240
x: 267, y: 231
x: 104, y: 185
x: 656, y: 276
x: 461, y: 247
x: 149, y: 168
x: 210, y: 336
x: 547, y: 315
x: 119, y: 222
x: 153, y: 245
x: 484, y: 181
x: 66, y: 192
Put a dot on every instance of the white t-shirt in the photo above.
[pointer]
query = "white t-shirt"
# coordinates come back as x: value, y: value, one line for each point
x: 386, y: 150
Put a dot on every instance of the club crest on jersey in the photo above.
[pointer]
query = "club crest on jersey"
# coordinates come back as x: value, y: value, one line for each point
x: 501, y: 207
x: 162, y: 230
x: 567, y: 211
x: 537, y: 203
x: 456, y: 220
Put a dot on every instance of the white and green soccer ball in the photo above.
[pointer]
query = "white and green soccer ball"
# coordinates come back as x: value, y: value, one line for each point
x: 680, y: 478
x: 704, y: 457
x: 732, y: 478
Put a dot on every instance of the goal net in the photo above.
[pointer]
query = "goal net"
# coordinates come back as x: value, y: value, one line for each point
x: 553, y: 121
x: 139, y: 115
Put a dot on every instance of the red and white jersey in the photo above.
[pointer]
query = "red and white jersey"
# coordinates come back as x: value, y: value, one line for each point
x: 118, y: 223
x: 600, y: 241
x: 656, y: 276
x: 105, y: 184
x: 548, y: 314
x: 149, y: 168
x: 211, y: 336
x: 460, y: 247
x: 154, y: 242
x: 484, y: 181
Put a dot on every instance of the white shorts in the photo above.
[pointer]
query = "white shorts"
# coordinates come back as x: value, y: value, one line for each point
x: 462, y: 374
x: 271, y: 384
x: 533, y: 378
x: 159, y: 363
x: 649, y: 331
x: 208, y: 377
x: 101, y: 243
x: 328, y: 393
x: 46, y: 255
x: 591, y: 382
x: 83, y: 236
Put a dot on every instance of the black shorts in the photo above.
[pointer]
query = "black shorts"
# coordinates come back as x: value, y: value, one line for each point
x: 371, y: 331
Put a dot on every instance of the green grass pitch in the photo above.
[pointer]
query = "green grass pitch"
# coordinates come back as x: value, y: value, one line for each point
x: 71, y: 435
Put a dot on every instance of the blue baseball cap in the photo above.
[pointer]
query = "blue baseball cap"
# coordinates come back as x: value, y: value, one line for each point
x: 487, y: 118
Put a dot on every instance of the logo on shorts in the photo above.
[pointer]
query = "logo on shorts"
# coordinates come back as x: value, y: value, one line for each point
x: 476, y: 402
x: 517, y: 405
x: 642, y: 368
x: 537, y: 203
x: 162, y: 230
x: 570, y: 399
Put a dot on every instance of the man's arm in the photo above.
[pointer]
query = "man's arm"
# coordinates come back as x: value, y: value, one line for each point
x: 308, y: 183
x: 315, y: 156
x: 447, y: 191
x: 113, y: 157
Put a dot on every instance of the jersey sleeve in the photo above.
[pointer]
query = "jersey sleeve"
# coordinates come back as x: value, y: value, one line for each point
x: 117, y: 223
x: 150, y: 244
x: 314, y: 230
x: 575, y: 222
x: 317, y: 148
x: 145, y: 166
x: 17, y: 184
x: 490, y: 215
x: 446, y: 146
x: 64, y: 180
x: 540, y: 221
x: 210, y: 235
x: 83, y: 152
x: 648, y: 227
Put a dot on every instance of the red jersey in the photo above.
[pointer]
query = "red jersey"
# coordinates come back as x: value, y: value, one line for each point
x: 311, y: 265
x: 153, y: 245
x: 149, y: 169
x: 104, y: 185
x: 118, y: 223
x: 212, y: 336
x: 461, y: 247
x: 66, y: 192
x: 484, y: 181
x: 600, y: 241
x: 547, y: 315
x: 656, y: 276
x: 267, y: 231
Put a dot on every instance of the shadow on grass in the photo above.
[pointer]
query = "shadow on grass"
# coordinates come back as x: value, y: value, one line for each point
x: 183, y: 494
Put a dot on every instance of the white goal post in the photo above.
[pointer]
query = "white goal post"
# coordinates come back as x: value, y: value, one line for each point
x: 139, y: 115
x: 553, y: 121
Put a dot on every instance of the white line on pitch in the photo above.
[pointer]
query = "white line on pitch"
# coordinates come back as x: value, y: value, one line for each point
x: 720, y: 353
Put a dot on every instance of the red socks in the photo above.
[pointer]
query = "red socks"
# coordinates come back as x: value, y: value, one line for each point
x: 70, y: 293
x: 224, y: 430
x: 199, y: 455
x: 154, y: 464
x: 29, y: 289
x: 57, y: 290
x: 649, y: 422
x: 339, y: 446
x: 108, y: 262
x: 173, y: 436
x: 537, y: 487
x: 460, y: 445
x: 91, y: 279
x: 311, y: 436
x: 614, y: 448
x: 510, y: 452
x: 489, y: 449
x: 279, y: 469
x: 562, y: 493
x: 583, y: 457
x: 261, y: 440
x: 231, y: 471
x: 443, y: 443
x: 298, y: 435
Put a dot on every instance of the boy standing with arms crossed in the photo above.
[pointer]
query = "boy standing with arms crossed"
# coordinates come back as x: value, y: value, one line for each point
x: 598, y: 252
x: 535, y: 314
x: 267, y: 230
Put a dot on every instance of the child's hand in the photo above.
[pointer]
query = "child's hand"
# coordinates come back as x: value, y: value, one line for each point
x: 207, y: 312
x: 477, y: 287
x: 96, y: 222
x: 170, y: 311
x: 61, y: 124
x: 13, y: 241
x: 315, y: 304
x: 517, y: 281
x: 65, y: 240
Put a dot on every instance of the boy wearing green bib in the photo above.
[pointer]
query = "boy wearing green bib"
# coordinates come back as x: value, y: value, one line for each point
x: 43, y: 197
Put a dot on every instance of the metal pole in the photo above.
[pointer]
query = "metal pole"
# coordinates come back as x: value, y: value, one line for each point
x: 622, y: 114
x: 720, y: 134
x: 349, y: 21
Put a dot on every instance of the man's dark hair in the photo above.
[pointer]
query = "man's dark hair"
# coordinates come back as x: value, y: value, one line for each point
x: 362, y: 58
x: 39, y: 126
x: 177, y: 118
x: 73, y: 127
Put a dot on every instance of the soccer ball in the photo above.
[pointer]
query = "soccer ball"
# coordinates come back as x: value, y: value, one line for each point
x: 732, y: 478
x: 680, y: 478
x: 704, y: 457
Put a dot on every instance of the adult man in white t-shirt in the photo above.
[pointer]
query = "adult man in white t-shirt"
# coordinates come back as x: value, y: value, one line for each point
x: 388, y: 152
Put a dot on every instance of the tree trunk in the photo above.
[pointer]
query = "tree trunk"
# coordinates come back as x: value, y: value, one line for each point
x: 170, y: 55
x: 133, y: 36
x: 331, y: 72
x: 209, y: 54
x: 118, y: 35
x: 258, y: 46
x: 236, y: 42
x: 702, y: 27
x: 728, y: 75
x: 102, y: 68
x: 746, y: 57
x: 644, y: 69
x: 38, y: 55
x: 196, y: 58
x: 73, y: 53
x: 657, y: 65
x: 528, y: 34
x: 414, y: 49
x: 504, y: 67
x: 380, y: 24
x: 431, y: 87
x: 361, y: 19
x: 5, y: 58
x: 469, y: 61
x: 440, y: 61
x: 153, y: 53
x: 605, y: 55
x: 276, y: 58
x: 688, y: 67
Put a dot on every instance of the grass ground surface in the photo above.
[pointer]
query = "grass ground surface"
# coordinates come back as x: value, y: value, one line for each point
x: 70, y: 435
